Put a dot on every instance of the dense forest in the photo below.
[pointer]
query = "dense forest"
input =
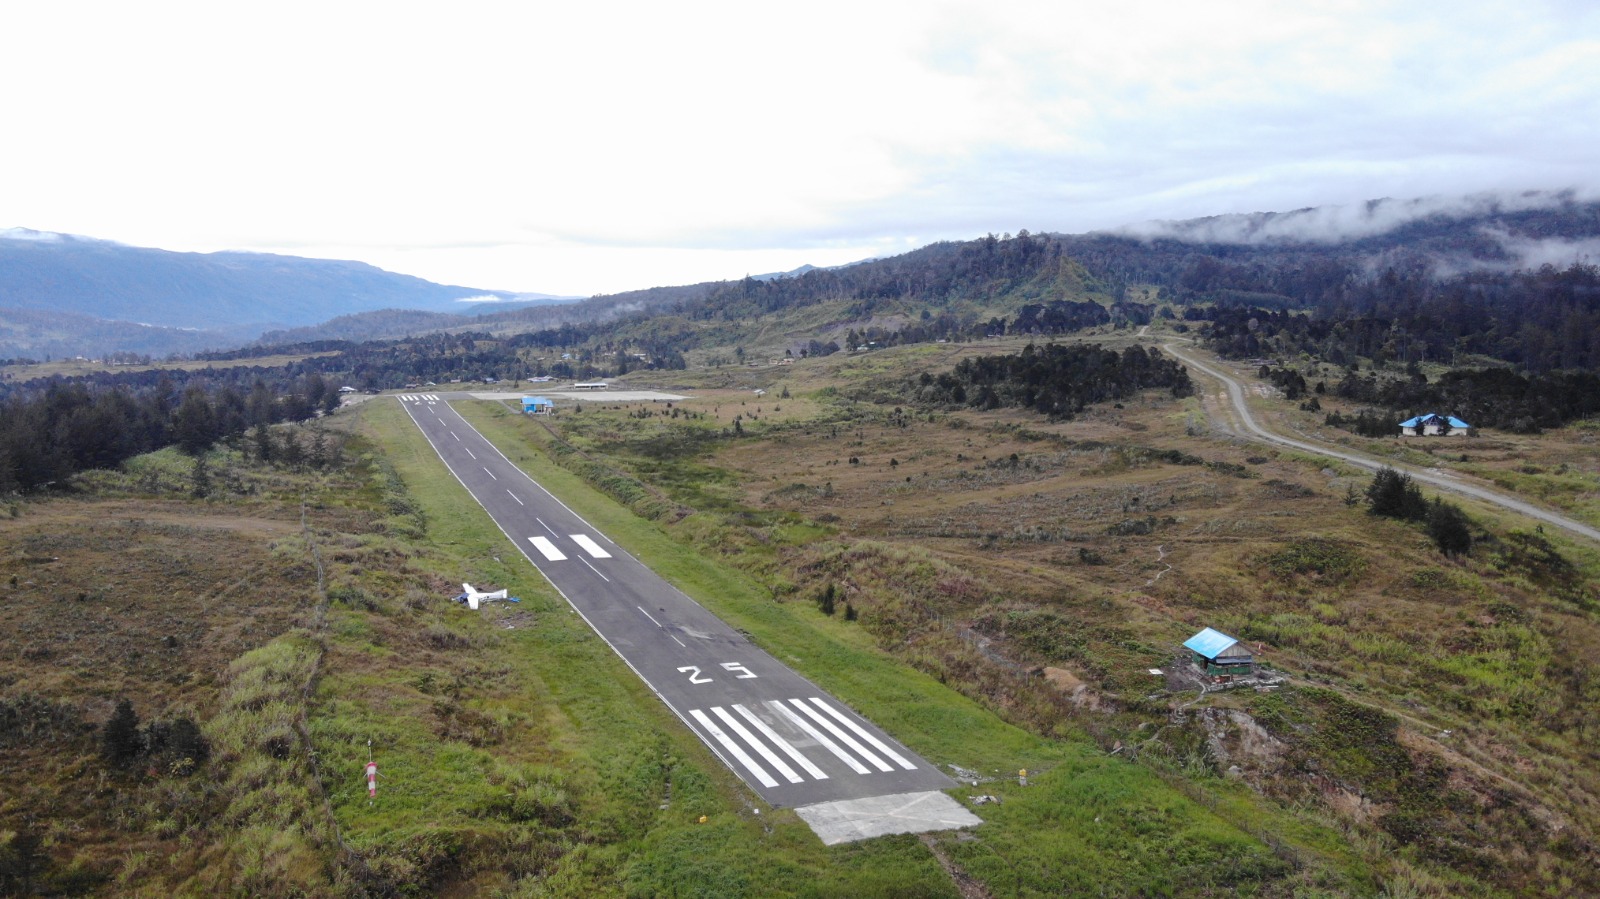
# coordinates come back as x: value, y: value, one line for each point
x: 1055, y: 380
x: 50, y: 434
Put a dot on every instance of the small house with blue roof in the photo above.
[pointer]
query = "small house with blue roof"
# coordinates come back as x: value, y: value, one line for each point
x: 537, y: 405
x: 1220, y: 655
x: 1432, y: 425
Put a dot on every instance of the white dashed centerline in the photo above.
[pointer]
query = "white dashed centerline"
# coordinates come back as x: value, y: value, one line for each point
x: 516, y: 497
x: 471, y: 453
x: 594, y: 569
x: 489, y: 473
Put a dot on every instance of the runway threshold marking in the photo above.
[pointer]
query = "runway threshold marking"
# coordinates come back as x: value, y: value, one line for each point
x: 844, y: 738
x: 817, y: 735
x: 734, y: 748
x: 780, y: 742
x: 758, y: 746
x: 543, y: 545
x: 862, y: 732
x: 590, y: 546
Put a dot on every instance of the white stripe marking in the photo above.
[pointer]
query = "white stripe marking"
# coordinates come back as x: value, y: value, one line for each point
x: 781, y: 743
x: 679, y: 642
x: 649, y: 616
x: 546, y: 527
x: 734, y: 748
x: 456, y: 436
x: 592, y: 547
x: 899, y: 759
x: 543, y: 544
x: 769, y: 755
x: 817, y: 735
x: 516, y: 497
x: 594, y: 569
x: 848, y: 740
x: 470, y: 453
x: 489, y: 473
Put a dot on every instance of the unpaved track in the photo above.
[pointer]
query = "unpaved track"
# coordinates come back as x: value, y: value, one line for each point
x: 1443, y: 482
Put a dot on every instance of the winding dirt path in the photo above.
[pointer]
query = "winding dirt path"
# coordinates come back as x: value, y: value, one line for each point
x: 1443, y: 481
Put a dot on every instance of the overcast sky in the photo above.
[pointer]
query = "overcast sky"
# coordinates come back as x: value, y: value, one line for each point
x: 575, y: 148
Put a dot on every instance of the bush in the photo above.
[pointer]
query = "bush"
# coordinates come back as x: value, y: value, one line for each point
x: 120, y: 742
x: 1450, y: 528
x: 1394, y: 495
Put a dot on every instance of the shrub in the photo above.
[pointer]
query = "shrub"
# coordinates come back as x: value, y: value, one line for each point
x: 1394, y: 495
x: 1449, y: 527
x: 120, y: 743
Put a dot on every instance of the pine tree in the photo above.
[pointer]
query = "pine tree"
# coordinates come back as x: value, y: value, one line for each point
x: 120, y: 743
x: 826, y: 601
x: 1450, y: 528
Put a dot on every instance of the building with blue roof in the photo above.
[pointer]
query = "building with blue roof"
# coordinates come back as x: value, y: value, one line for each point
x: 537, y: 405
x: 1220, y: 655
x: 1430, y: 424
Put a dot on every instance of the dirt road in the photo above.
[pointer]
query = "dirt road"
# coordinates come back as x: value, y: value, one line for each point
x: 1442, y: 480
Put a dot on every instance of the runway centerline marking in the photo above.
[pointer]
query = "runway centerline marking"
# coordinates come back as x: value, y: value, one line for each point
x: 516, y: 497
x: 547, y: 527
x: 649, y: 616
x: 489, y: 473
x: 543, y: 545
x: 456, y: 436
x: 592, y: 547
x: 594, y: 569
x: 471, y: 453
x: 734, y: 748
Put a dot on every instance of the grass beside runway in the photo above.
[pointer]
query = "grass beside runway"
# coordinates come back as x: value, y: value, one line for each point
x: 540, y: 744
x: 1087, y: 823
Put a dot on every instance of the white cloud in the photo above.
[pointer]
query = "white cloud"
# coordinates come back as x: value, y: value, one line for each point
x: 606, y: 146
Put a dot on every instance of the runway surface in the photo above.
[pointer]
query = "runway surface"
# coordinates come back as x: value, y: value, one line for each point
x: 788, y: 740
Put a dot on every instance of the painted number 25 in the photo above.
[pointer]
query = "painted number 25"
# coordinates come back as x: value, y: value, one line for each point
x: 695, y: 677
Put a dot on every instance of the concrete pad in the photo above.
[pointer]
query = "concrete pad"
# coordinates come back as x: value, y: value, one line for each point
x: 849, y: 820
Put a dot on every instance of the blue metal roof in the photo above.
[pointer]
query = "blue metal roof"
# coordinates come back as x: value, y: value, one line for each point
x: 1209, y: 643
x: 1429, y: 416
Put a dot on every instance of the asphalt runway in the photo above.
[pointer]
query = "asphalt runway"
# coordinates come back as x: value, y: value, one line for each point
x: 788, y: 740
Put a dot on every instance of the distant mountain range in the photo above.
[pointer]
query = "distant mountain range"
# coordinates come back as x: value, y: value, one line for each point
x: 62, y: 295
x: 67, y: 295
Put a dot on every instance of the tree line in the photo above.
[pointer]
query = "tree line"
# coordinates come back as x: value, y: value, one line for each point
x: 1055, y: 380
x: 49, y: 434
